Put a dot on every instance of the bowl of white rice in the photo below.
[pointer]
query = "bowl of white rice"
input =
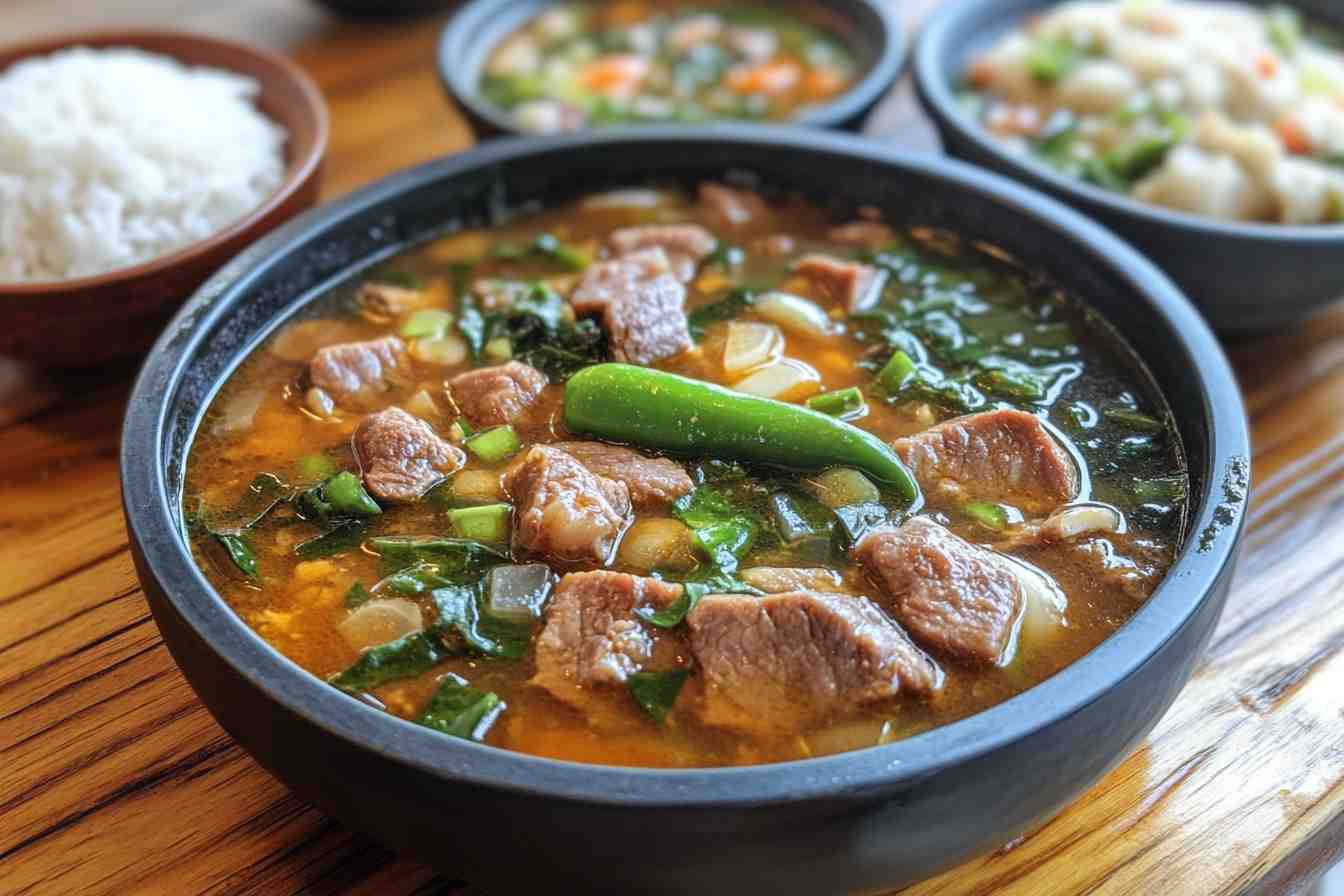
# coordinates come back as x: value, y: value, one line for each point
x: 132, y: 166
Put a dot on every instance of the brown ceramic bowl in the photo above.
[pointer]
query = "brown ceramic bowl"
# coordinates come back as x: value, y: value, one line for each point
x: 87, y: 320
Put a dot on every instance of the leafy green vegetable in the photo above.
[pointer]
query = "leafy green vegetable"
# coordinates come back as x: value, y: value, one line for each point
x: 427, y: 323
x: 1283, y: 27
x: 546, y: 246
x: 341, y: 496
x: 656, y: 692
x: 316, y: 466
x: 989, y: 515
x: 346, y: 535
x: 460, y: 610
x: 451, y: 557
x: 721, y: 532
x: 239, y: 551
x: 405, y: 657
x: 1050, y: 60
x: 357, y: 595
x: 1134, y: 419
x: 538, y: 331
x: 729, y: 306
x: 472, y: 324
x: 725, y: 255
x: 459, y: 710
x: 674, y: 613
x: 1166, y: 489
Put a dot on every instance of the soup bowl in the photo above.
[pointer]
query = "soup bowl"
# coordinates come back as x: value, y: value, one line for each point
x: 1245, y: 277
x: 871, y: 28
x: 860, y: 821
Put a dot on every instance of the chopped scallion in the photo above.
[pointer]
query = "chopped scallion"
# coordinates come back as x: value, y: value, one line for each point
x: 488, y: 523
x: 840, y: 403
x: 495, y: 445
x: 427, y: 323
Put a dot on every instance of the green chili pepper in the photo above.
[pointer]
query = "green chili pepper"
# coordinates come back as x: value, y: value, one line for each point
x: 670, y: 413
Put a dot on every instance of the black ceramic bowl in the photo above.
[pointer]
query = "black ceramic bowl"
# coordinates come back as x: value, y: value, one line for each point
x: 859, y: 821
x: 871, y: 27
x: 1244, y: 277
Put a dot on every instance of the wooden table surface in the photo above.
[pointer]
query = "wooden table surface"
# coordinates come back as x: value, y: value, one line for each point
x: 115, y: 779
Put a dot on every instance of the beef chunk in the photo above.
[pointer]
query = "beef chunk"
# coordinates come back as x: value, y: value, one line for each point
x: 386, y: 300
x: 779, y: 579
x: 1001, y: 455
x: 354, y: 374
x: 593, y: 640
x: 641, y: 303
x: 653, y: 481
x: 562, y: 510
x: 686, y: 245
x: 400, y: 457
x: 732, y: 207
x: 863, y: 234
x: 853, y: 284
x: 952, y: 596
x: 492, y: 396
x: 787, y: 662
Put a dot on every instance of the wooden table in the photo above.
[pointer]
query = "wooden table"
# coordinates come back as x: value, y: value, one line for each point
x: 115, y: 779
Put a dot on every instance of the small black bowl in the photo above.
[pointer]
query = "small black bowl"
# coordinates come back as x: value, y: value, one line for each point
x: 871, y: 27
x: 1244, y: 277
x: 860, y: 821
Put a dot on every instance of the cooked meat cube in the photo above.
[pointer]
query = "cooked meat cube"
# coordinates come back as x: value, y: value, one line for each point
x: 593, y: 640
x: 400, y: 456
x: 952, y: 596
x: 686, y: 245
x: 653, y: 481
x: 493, y: 396
x: 355, y: 373
x: 779, y: 579
x: 864, y: 234
x: 1003, y: 455
x: 855, y: 285
x: 732, y: 207
x: 562, y: 510
x: 787, y: 662
x: 386, y: 300
x: 641, y: 302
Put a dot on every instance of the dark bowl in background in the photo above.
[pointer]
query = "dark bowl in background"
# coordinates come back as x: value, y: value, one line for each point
x: 385, y: 9
x: 84, y: 321
x: 871, y: 27
x: 1245, y: 277
x: 861, y: 821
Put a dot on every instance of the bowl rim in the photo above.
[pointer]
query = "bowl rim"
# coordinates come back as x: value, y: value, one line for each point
x: 1188, y: 586
x: 298, y: 171
x: 462, y: 82
x: 939, y: 38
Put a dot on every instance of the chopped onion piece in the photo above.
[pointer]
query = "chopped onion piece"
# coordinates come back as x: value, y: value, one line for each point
x: 750, y: 345
x: 1043, y: 614
x: 793, y: 313
x: 422, y: 405
x: 1080, y: 519
x: 656, y: 543
x: 784, y: 380
x: 448, y: 351
x: 842, y: 487
x: 319, y: 402
x: 380, y: 621
x: 518, y: 592
x: 477, y: 487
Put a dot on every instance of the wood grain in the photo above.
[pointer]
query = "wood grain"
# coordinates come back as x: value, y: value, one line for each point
x: 114, y: 779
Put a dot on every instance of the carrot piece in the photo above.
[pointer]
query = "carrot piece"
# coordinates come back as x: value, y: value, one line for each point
x: 1295, y: 137
x: 1267, y: 64
x: 822, y: 82
x: 616, y: 75
x: 775, y: 76
x: 981, y: 73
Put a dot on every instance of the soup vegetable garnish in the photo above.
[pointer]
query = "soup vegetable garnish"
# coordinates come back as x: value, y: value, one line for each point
x: 581, y: 64
x: 688, y: 480
x: 1219, y: 109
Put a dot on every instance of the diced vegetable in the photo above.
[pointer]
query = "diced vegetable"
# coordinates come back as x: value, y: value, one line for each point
x: 841, y: 487
x: 793, y: 313
x: 990, y: 515
x: 1080, y: 519
x: 844, y: 403
x: 460, y: 611
x: 445, y: 351
x: 475, y: 487
x: 894, y: 375
x: 342, y: 495
x: 784, y: 380
x: 427, y: 323
x: 656, y: 692
x: 405, y: 657
x: 670, y: 413
x: 856, y: 520
x: 495, y: 445
x: 518, y: 593
x: 380, y: 621
x: 498, y: 350
x: 749, y: 345
x: 459, y: 710
x: 797, y: 518
x: 1051, y: 60
x: 316, y: 466
x: 488, y: 522
x: 656, y: 543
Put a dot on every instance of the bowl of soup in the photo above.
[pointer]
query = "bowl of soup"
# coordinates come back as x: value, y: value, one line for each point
x: 1209, y: 134
x: 753, y: 505
x: 546, y: 67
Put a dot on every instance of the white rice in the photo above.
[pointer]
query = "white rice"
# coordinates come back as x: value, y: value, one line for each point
x: 109, y: 158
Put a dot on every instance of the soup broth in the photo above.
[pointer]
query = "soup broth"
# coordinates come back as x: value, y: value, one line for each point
x: 785, y: 595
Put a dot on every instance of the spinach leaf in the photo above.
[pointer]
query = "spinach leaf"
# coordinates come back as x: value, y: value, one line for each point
x: 725, y: 308
x: 357, y: 596
x: 341, y: 496
x: 454, y: 557
x: 721, y: 532
x: 561, y: 351
x: 239, y: 551
x: 546, y: 246
x: 459, y: 710
x: 676, y: 612
x: 460, y: 611
x: 406, y: 657
x: 656, y: 692
x: 473, y: 326
x: 346, y: 535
